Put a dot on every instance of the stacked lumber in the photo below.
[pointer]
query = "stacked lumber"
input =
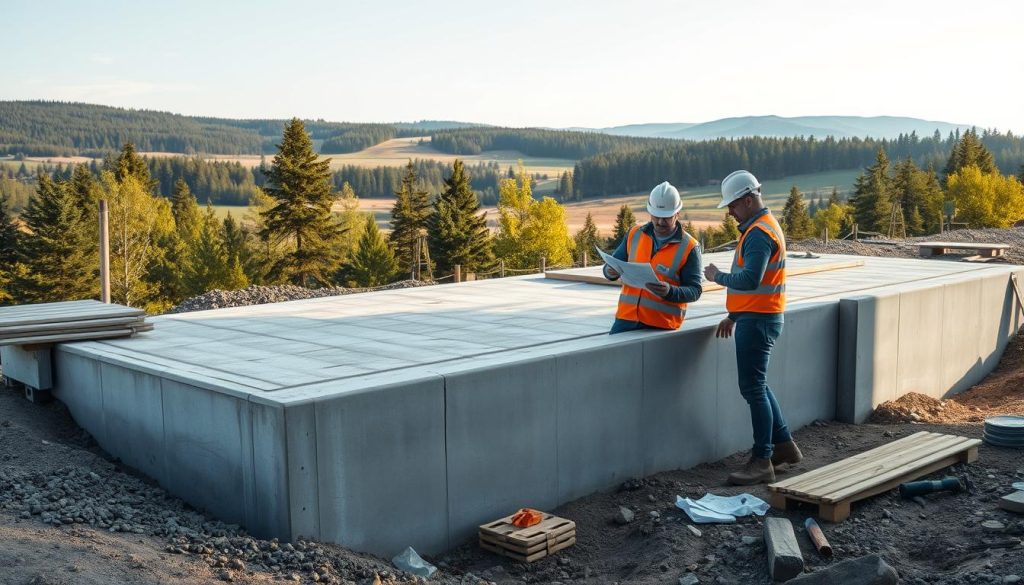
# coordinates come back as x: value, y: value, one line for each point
x: 526, y: 545
x: 834, y: 487
x: 69, y: 321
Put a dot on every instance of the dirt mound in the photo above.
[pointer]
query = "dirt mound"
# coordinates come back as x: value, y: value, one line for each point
x: 1002, y: 392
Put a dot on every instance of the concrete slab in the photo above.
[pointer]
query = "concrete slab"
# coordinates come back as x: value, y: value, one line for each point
x: 393, y: 418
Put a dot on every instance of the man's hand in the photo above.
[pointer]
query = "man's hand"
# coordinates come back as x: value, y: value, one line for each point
x: 611, y: 273
x: 710, y: 272
x: 659, y: 288
x: 724, y: 329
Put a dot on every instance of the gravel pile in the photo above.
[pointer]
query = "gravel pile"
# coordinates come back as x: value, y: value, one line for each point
x: 908, y: 248
x: 261, y: 295
x: 101, y: 497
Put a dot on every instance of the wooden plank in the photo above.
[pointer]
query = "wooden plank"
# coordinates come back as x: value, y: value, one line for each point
x: 527, y: 559
x: 796, y: 482
x: 965, y: 245
x: 71, y: 325
x: 551, y: 541
x: 908, y: 471
x: 839, y: 467
x: 125, y: 332
x: 598, y: 278
x: 38, y: 314
x: 504, y: 531
x: 874, y: 467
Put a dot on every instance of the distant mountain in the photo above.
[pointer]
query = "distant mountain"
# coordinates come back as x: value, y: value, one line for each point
x: 777, y: 126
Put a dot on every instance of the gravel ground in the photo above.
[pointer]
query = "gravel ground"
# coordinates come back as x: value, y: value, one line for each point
x: 908, y: 248
x: 260, y: 295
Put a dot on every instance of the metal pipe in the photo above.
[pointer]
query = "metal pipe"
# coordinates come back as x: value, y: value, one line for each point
x: 818, y: 538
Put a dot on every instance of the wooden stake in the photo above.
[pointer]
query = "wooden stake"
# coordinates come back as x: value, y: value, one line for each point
x: 104, y: 252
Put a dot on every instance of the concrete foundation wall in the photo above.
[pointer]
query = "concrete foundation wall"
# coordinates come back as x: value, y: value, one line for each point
x: 421, y: 456
x: 936, y: 340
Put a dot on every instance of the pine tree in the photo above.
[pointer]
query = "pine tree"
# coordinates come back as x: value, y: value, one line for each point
x: 60, y: 258
x: 729, y: 230
x: 8, y: 249
x: 623, y: 222
x: 374, y: 263
x: 457, y: 231
x: 207, y: 267
x: 871, y: 199
x: 130, y: 164
x: 185, y: 209
x: 409, y: 218
x: 833, y: 199
x: 86, y: 191
x: 796, y: 222
x: 967, y: 152
x: 1020, y: 174
x: 300, y: 185
x: 587, y: 239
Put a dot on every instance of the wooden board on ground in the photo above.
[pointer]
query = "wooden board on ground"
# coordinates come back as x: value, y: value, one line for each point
x: 834, y: 487
x: 594, y: 274
x: 984, y: 249
x: 549, y: 536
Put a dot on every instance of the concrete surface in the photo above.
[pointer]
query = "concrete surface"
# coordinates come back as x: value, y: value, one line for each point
x: 408, y: 417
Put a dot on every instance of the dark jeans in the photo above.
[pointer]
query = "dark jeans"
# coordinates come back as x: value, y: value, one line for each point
x: 755, y: 339
x: 622, y: 326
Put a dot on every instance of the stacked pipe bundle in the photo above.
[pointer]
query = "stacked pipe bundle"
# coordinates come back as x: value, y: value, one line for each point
x: 69, y: 321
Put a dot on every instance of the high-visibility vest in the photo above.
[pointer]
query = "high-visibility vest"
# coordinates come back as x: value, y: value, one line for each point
x: 640, y: 304
x: 770, y: 295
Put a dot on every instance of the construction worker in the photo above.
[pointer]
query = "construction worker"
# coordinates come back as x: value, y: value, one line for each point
x: 756, y: 299
x: 675, y: 257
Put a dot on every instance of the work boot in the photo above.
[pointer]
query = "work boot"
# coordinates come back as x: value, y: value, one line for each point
x: 786, y: 453
x: 757, y: 470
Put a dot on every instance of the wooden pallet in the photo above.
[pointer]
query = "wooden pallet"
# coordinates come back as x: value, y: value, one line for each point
x: 834, y: 487
x: 549, y: 536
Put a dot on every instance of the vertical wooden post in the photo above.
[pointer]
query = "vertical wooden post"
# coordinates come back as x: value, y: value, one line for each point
x: 826, y: 236
x: 458, y: 273
x: 501, y: 268
x: 585, y: 259
x: 543, y: 264
x: 855, y: 232
x: 104, y: 252
x: 415, y: 259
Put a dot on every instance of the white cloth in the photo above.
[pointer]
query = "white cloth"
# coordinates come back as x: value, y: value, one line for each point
x: 721, y: 509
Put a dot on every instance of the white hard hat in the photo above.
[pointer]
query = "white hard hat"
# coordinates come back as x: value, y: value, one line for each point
x: 664, y: 201
x: 736, y: 185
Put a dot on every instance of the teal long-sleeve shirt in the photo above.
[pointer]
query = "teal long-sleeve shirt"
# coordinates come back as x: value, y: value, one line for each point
x: 757, y: 250
x: 689, y: 277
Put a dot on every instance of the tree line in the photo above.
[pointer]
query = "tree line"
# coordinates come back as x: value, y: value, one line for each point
x: 901, y: 199
x: 701, y: 163
x: 539, y: 142
x: 302, y: 231
x: 49, y: 128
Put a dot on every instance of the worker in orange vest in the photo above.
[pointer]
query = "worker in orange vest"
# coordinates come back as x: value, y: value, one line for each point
x: 675, y: 257
x: 756, y: 299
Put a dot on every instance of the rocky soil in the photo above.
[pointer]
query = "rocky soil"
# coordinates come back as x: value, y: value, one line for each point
x: 907, y: 248
x: 259, y: 295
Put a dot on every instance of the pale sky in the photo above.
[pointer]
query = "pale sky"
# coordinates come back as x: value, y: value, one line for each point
x: 589, y: 63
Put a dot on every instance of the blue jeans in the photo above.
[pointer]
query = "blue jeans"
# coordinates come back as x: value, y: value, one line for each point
x: 755, y: 339
x: 622, y: 326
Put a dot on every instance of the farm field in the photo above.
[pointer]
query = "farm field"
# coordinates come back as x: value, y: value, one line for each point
x: 698, y: 204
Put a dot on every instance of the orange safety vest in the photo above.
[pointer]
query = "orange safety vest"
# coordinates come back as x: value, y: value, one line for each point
x: 770, y: 295
x: 640, y: 304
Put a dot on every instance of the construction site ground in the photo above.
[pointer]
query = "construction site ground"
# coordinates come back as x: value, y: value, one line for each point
x: 53, y: 480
